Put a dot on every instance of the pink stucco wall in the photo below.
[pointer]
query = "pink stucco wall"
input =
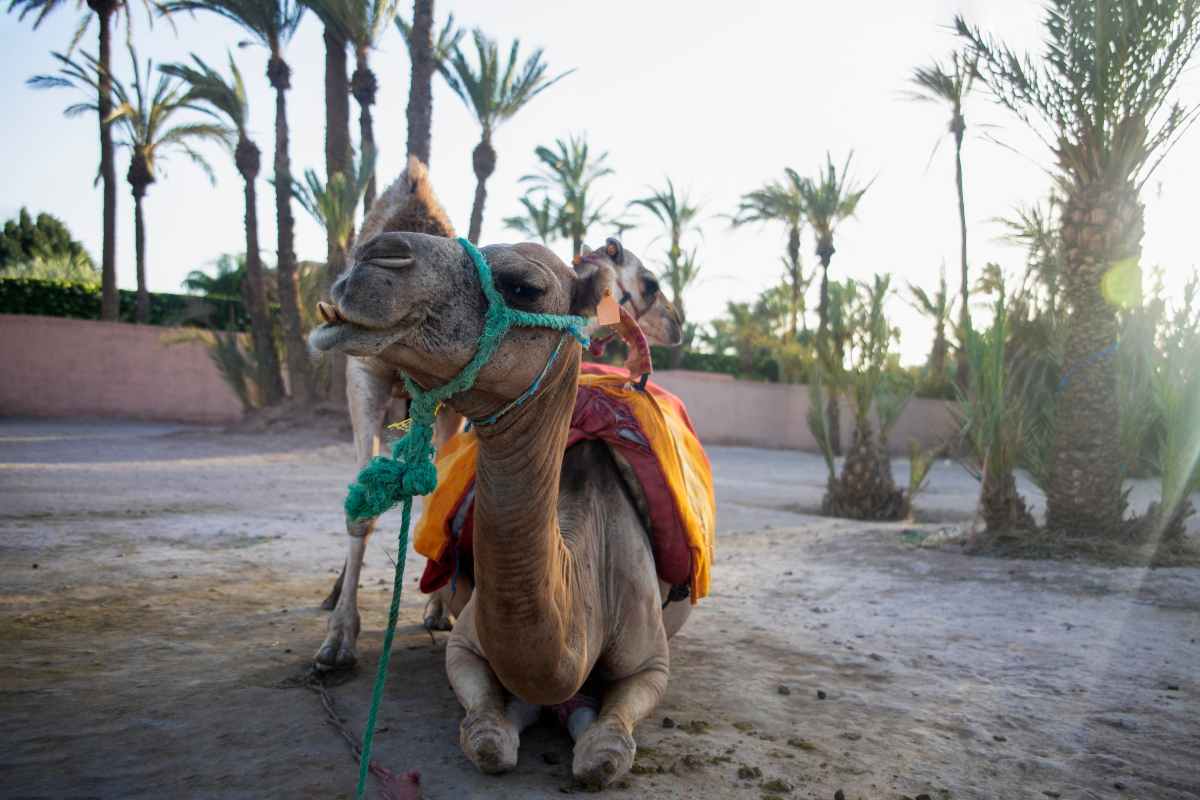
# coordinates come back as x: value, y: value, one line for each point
x: 78, y: 368
x: 53, y: 367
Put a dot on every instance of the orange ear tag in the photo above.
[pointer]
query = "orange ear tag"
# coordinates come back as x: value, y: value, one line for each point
x: 608, y: 312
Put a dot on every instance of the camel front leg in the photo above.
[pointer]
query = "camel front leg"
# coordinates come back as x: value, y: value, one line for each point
x: 368, y: 391
x: 604, y: 751
x: 490, y: 733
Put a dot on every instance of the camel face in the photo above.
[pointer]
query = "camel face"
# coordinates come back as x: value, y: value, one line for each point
x: 639, y: 291
x: 414, y: 301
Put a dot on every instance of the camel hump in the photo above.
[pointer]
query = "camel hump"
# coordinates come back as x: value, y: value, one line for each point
x: 408, y: 205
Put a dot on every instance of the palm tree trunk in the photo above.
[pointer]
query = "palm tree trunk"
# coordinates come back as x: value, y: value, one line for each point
x: 364, y: 85
x: 825, y: 349
x: 142, y: 316
x: 1101, y: 229
x: 420, y: 90
x: 110, y: 300
x: 338, y: 151
x: 483, y: 160
x: 964, y: 318
x: 300, y: 374
x: 270, y: 381
x: 794, y: 267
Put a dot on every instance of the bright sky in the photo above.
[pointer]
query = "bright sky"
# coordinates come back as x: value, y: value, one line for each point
x: 719, y: 97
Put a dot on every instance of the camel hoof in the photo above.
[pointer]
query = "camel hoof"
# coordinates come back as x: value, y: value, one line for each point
x: 490, y: 741
x: 603, y: 754
x: 438, y: 623
x: 338, y: 650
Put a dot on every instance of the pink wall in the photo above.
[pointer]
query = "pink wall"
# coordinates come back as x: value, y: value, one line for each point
x: 729, y: 411
x: 55, y: 367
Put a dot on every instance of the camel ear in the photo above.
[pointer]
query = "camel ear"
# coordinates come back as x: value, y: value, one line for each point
x: 592, y: 282
x: 614, y: 250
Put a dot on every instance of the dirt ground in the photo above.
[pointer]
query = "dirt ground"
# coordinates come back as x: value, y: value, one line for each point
x: 160, y: 588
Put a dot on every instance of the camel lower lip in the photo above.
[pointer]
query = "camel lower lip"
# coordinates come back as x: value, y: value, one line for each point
x: 352, y: 339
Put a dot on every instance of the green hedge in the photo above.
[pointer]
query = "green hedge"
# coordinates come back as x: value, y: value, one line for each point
x: 50, y: 298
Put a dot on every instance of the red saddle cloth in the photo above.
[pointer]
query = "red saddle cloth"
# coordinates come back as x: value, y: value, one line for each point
x: 650, y: 430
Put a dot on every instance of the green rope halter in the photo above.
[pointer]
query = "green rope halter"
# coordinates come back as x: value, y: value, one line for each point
x: 410, y: 471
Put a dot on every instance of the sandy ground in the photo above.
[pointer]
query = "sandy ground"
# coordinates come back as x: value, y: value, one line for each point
x: 159, y: 589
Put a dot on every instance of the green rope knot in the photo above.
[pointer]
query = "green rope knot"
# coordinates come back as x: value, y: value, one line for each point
x: 410, y: 472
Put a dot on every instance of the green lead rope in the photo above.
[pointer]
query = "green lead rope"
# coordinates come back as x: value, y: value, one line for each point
x: 410, y: 470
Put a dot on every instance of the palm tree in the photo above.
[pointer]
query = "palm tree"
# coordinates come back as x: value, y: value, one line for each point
x: 679, y: 216
x: 227, y: 283
x: 339, y: 152
x: 937, y: 308
x: 494, y: 90
x: 781, y: 202
x: 427, y: 55
x: 105, y: 11
x: 225, y: 99
x: 828, y: 200
x: 950, y: 86
x: 1100, y: 100
x: 334, y: 203
x: 568, y: 175
x: 362, y: 22
x: 272, y: 23
x: 145, y: 118
x: 538, y: 222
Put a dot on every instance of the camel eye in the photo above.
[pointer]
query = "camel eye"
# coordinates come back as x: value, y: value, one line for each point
x: 519, y: 291
x: 650, y: 286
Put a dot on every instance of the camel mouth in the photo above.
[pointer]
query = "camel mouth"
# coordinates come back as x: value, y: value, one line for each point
x: 353, y: 338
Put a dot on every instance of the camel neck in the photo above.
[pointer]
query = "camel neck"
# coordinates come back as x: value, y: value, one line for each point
x: 523, y: 610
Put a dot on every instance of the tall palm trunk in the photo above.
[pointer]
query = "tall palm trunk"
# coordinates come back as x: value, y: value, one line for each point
x: 110, y: 300
x: 483, y: 159
x: 420, y: 91
x: 794, y: 266
x: 825, y: 349
x: 254, y: 293
x: 1101, y: 229
x: 140, y: 178
x: 364, y: 85
x: 338, y: 150
x: 964, y: 316
x: 300, y: 373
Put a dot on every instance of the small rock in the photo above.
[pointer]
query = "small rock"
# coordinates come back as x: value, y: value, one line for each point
x: 35, y: 566
x: 924, y: 797
x: 852, y: 736
x: 1171, y: 687
x: 173, y: 577
x: 748, y: 773
x: 875, y: 657
x: 1119, y: 786
x: 1050, y: 793
x: 668, y: 722
x: 287, y: 649
x: 999, y: 738
x: 821, y: 694
x: 783, y: 690
x: 839, y: 795
x: 552, y: 758
x: 801, y: 744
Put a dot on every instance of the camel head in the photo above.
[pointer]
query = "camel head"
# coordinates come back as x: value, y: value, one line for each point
x: 414, y: 302
x: 638, y: 290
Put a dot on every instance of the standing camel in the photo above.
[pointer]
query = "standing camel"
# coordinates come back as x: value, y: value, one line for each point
x: 566, y: 587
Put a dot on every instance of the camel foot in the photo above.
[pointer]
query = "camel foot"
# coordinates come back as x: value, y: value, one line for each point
x: 338, y: 650
x: 331, y: 600
x: 437, y: 616
x: 603, y: 754
x: 490, y: 741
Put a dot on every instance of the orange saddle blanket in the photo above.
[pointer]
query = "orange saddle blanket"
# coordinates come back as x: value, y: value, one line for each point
x: 650, y: 430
